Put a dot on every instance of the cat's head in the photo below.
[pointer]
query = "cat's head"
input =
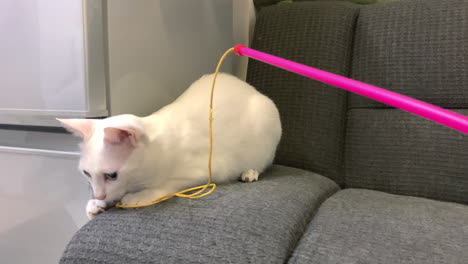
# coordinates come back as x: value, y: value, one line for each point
x: 111, y: 153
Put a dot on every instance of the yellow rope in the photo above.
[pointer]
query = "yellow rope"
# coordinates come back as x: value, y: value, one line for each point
x: 199, y: 190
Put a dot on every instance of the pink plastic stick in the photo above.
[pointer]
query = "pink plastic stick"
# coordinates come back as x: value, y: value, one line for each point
x: 437, y: 114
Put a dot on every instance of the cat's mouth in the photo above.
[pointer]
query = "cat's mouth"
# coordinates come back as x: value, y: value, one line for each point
x: 111, y: 204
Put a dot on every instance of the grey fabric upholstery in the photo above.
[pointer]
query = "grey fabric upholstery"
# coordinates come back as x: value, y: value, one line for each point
x: 393, y: 151
x: 318, y: 34
x: 363, y: 226
x: 258, y: 222
x: 417, y: 48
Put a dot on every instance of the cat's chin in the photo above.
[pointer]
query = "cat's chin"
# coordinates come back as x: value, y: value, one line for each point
x: 112, y: 203
x: 115, y: 198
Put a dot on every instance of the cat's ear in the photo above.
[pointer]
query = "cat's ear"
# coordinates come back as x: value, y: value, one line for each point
x: 119, y: 135
x: 80, y: 127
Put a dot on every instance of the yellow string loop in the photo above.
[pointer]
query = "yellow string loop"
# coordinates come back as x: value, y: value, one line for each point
x: 199, y: 190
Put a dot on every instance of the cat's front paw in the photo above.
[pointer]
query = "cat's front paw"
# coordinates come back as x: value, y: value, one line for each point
x: 94, y: 208
x: 139, y: 198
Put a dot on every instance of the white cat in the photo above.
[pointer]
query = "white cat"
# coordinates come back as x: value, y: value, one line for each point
x: 137, y: 160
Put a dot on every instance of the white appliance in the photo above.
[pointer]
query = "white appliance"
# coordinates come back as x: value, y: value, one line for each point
x: 90, y: 59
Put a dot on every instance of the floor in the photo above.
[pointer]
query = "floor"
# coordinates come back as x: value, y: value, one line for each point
x: 42, y: 194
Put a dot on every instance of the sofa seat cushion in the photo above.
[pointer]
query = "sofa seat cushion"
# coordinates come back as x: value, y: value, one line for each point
x: 258, y: 222
x: 364, y: 226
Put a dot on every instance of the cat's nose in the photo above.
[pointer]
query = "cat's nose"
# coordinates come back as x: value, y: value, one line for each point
x: 100, y: 196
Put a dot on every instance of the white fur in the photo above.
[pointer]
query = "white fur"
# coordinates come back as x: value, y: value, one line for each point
x: 95, y: 207
x: 250, y: 176
x: 168, y: 150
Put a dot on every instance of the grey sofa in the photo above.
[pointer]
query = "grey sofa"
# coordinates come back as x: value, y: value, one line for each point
x: 354, y: 181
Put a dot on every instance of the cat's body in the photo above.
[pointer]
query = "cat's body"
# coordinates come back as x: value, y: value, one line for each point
x: 167, y: 151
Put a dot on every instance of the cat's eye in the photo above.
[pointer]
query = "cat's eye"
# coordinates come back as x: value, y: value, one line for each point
x: 111, y: 176
x: 87, y: 174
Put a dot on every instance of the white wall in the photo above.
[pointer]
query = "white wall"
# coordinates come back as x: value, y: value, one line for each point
x: 243, y: 29
x: 157, y: 48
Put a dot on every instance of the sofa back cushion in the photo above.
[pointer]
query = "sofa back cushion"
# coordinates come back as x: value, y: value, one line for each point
x: 417, y: 48
x: 318, y: 34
